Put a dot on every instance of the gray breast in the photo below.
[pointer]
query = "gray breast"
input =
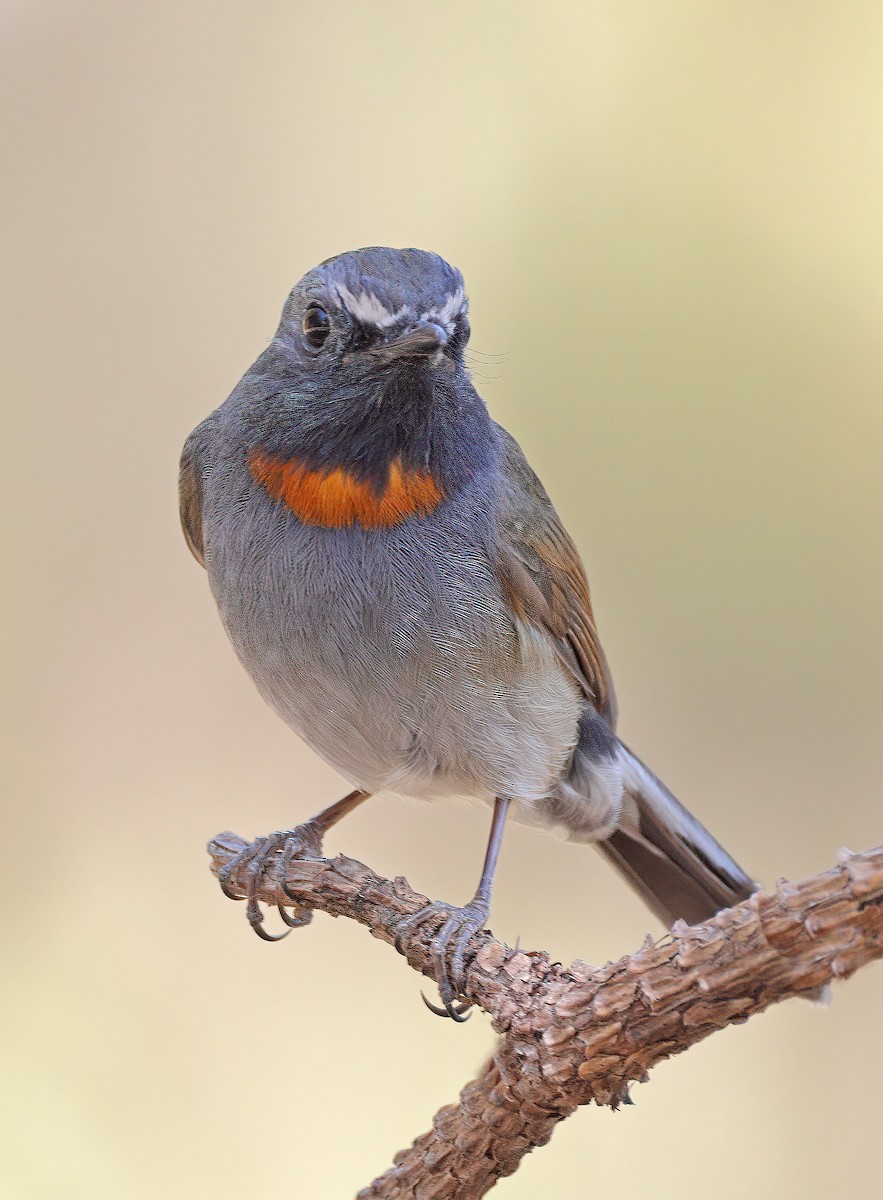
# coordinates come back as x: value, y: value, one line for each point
x: 391, y: 652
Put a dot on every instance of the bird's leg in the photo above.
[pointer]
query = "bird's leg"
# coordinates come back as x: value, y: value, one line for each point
x: 250, y: 864
x: 458, y: 925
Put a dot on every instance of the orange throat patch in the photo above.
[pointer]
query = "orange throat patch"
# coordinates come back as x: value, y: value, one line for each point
x: 335, y: 498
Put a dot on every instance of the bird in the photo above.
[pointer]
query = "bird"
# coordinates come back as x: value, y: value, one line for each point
x: 397, y: 583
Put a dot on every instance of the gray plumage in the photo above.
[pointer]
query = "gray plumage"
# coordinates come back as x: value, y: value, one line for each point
x: 455, y: 651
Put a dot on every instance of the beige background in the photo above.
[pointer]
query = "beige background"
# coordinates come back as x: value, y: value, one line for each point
x: 669, y: 219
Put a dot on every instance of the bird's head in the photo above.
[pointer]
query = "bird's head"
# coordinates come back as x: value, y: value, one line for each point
x: 368, y: 314
x: 365, y: 379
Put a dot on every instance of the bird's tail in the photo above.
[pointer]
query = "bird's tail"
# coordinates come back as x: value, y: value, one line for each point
x: 671, y: 861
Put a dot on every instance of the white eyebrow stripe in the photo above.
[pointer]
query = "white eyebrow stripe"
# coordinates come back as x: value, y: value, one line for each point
x: 449, y: 311
x: 367, y: 307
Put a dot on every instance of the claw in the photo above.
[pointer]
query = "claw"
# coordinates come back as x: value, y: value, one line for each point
x: 294, y: 922
x: 454, y: 1011
x: 251, y: 864
x: 305, y: 840
x: 257, y: 925
x: 458, y: 927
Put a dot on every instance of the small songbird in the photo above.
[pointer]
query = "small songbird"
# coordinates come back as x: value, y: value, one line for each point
x: 398, y: 585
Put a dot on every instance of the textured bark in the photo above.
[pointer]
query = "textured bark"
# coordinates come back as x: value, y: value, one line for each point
x: 575, y: 1034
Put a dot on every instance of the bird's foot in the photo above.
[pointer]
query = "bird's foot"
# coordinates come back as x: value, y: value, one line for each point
x: 457, y: 926
x: 240, y: 879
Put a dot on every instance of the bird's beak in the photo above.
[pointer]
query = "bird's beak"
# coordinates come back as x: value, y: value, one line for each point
x: 423, y: 340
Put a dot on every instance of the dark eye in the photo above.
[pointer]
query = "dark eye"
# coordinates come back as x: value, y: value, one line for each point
x: 316, y: 326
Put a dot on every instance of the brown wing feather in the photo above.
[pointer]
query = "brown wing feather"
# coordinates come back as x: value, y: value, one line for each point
x: 544, y: 578
x: 190, y: 501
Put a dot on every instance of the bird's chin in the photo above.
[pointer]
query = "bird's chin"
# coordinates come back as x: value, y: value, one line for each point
x: 381, y: 362
x: 412, y: 371
x: 438, y: 361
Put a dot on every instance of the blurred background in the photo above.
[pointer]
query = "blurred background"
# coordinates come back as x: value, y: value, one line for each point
x: 669, y: 219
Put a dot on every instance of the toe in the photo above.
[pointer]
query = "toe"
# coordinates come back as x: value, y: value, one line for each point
x: 407, y: 926
x: 473, y: 924
x: 233, y: 868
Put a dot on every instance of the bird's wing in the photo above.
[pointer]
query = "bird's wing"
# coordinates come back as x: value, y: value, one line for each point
x: 544, y: 578
x: 190, y: 497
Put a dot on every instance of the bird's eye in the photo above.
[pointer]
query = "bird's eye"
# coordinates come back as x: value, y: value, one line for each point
x: 316, y: 326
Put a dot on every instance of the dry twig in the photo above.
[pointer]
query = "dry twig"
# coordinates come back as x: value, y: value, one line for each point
x: 575, y: 1034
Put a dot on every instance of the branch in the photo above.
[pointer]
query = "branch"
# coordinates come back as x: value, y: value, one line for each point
x: 576, y: 1034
